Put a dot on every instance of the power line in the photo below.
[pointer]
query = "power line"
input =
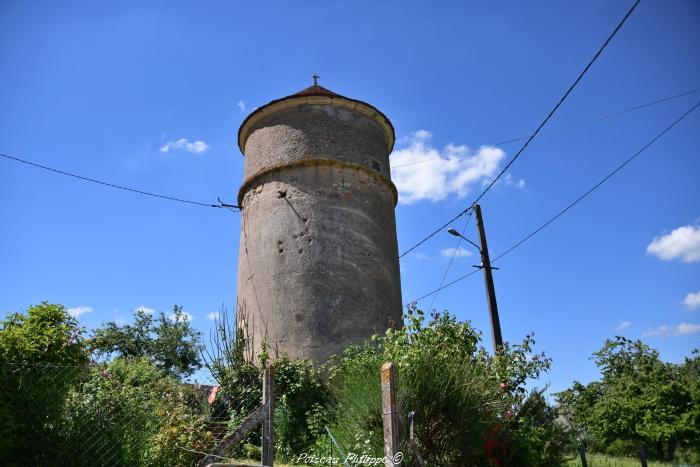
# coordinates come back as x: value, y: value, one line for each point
x: 532, y: 136
x: 561, y: 101
x: 440, y: 288
x: 449, y: 265
x: 594, y: 187
x: 112, y: 185
x: 560, y: 213
x: 602, y: 117
x: 649, y: 104
x: 435, y: 232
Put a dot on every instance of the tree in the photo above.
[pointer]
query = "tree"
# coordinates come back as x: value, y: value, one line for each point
x: 689, y: 377
x: 639, y: 399
x: 169, y: 342
x: 46, y: 335
x: 41, y: 353
x: 547, y: 435
x: 575, y: 405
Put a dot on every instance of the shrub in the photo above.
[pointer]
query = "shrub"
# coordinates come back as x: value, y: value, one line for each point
x: 544, y: 437
x: 354, y: 412
x: 471, y: 408
x: 57, y: 408
x: 622, y: 448
x: 127, y: 413
x: 301, y: 395
x: 181, y: 437
x: 40, y: 356
x: 111, y: 415
x: 446, y: 379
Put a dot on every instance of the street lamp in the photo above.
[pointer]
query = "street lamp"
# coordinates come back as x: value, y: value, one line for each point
x: 457, y: 234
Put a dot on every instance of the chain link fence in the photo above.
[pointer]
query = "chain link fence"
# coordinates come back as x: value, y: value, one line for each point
x: 124, y: 413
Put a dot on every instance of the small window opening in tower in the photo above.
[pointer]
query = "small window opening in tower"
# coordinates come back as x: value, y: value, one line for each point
x: 375, y: 165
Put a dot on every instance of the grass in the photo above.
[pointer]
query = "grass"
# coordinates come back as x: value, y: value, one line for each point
x: 257, y: 462
x: 594, y: 460
x: 601, y: 460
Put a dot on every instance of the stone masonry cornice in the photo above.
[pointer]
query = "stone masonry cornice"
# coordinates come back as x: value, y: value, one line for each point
x: 316, y: 163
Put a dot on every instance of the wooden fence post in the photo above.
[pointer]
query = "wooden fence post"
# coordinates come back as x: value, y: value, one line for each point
x: 268, y: 426
x: 390, y: 416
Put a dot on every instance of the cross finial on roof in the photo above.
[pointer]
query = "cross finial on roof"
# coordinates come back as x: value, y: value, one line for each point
x: 315, y: 77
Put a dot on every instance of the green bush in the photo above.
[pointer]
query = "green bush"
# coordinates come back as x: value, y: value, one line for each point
x: 545, y: 438
x: 301, y: 395
x: 300, y: 398
x: 444, y: 376
x: 111, y: 415
x: 181, y: 437
x: 354, y: 412
x: 622, y: 448
x: 127, y: 413
x: 446, y: 379
x: 57, y: 408
x: 41, y: 353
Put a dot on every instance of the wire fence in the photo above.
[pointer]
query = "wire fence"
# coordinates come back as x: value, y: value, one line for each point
x: 117, y: 414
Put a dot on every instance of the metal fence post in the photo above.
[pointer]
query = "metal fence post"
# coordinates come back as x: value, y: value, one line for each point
x: 582, y: 455
x: 643, y: 456
x: 417, y: 459
x: 268, y: 428
x: 390, y: 416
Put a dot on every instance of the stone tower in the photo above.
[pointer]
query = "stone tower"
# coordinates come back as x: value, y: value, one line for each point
x: 318, y: 263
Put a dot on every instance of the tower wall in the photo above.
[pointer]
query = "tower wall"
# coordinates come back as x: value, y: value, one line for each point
x: 318, y: 264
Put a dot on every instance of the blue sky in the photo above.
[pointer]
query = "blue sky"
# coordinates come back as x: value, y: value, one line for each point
x: 103, y: 89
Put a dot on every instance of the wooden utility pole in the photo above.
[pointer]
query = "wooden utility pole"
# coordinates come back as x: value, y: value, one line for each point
x: 488, y: 278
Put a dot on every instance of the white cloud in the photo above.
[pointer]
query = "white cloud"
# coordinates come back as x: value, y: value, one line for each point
x: 185, y: 315
x: 421, y: 134
x: 145, y: 309
x: 680, y: 330
x: 422, y: 256
x: 460, y: 252
x: 78, y: 310
x: 213, y: 315
x: 692, y: 300
x: 427, y: 173
x: 687, y: 328
x: 241, y: 105
x: 197, y: 147
x: 623, y: 325
x: 682, y: 243
x: 508, y: 180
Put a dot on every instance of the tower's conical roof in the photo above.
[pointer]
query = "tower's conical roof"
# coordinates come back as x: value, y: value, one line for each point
x: 318, y: 95
x: 316, y: 90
